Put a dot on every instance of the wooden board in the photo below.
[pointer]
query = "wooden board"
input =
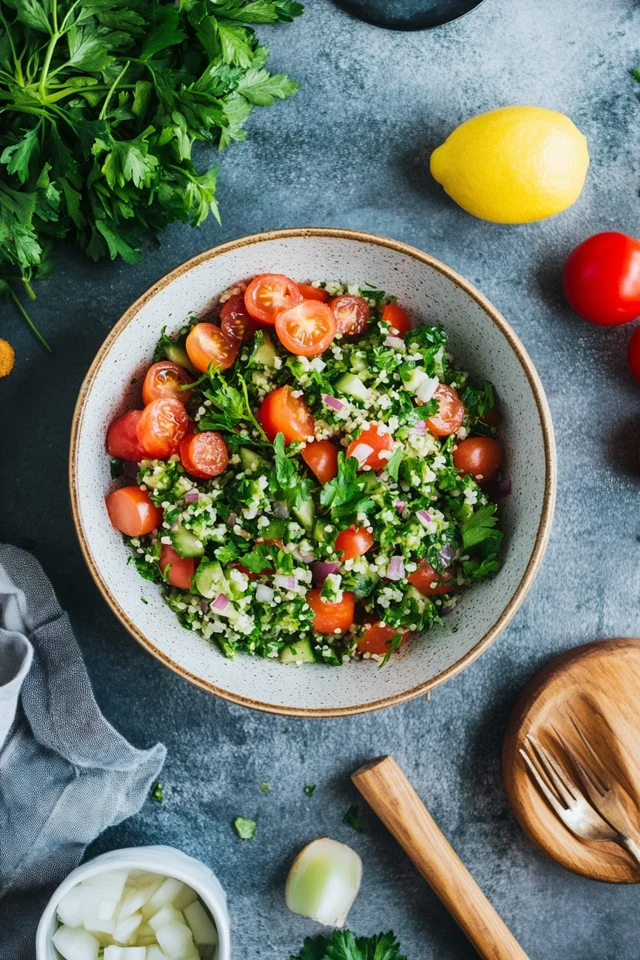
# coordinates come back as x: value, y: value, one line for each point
x: 599, y: 686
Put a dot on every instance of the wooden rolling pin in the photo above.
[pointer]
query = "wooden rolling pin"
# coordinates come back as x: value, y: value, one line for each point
x: 386, y: 789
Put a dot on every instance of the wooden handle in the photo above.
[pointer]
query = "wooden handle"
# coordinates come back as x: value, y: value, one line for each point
x: 386, y: 789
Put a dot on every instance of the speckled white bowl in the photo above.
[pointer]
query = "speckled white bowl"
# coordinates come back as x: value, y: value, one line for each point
x: 482, y: 342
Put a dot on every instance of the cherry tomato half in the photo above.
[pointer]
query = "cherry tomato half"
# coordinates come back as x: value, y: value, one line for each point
x: 352, y: 315
x: 204, y: 455
x: 182, y: 568
x: 161, y: 427
x: 269, y: 294
x: 236, y: 322
x: 601, y: 279
x: 379, y: 442
x: 281, y: 412
x: 329, y: 617
x: 450, y: 413
x: 164, y: 379
x: 309, y: 292
x: 428, y: 582
x: 321, y: 457
x: 479, y: 456
x: 306, y: 329
x: 207, y: 345
x: 377, y: 638
x: 633, y: 354
x: 131, y: 511
x: 122, y: 437
x: 397, y: 318
x: 354, y: 542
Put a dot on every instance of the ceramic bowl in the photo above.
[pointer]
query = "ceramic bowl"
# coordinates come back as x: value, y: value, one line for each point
x: 481, y: 341
x: 156, y: 859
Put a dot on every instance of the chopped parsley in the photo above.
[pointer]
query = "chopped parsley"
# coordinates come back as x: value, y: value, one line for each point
x: 264, y: 787
x: 246, y: 829
x: 157, y: 792
x: 352, y: 819
x: 344, y: 945
x: 310, y: 789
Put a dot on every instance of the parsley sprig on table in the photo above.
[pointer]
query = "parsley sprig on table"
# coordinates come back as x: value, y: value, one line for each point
x: 101, y: 104
x: 343, y: 945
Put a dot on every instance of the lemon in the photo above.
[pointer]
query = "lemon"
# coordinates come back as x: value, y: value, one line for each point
x: 513, y: 165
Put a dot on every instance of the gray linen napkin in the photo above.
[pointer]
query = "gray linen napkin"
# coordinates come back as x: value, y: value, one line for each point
x: 65, y: 773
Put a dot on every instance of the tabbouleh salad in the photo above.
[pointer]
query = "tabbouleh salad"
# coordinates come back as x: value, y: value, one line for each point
x: 310, y: 478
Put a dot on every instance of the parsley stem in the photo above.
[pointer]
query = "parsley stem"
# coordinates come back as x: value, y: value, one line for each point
x: 28, y: 319
x: 115, y: 83
x: 42, y: 86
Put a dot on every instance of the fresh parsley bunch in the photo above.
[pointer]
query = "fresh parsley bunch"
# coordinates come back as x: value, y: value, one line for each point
x: 101, y: 103
x: 342, y: 945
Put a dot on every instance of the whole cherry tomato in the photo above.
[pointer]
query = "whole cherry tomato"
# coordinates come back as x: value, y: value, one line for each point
x: 450, y: 413
x: 601, y: 279
x: 478, y: 456
x: 122, y: 437
x: 236, y: 322
x: 352, y: 314
x: 164, y: 379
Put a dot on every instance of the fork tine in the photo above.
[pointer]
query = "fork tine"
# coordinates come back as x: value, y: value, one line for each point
x: 601, y: 774
x: 559, y: 780
x: 551, y: 798
x: 588, y: 780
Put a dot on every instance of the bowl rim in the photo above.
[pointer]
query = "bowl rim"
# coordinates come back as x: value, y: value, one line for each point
x: 549, y: 495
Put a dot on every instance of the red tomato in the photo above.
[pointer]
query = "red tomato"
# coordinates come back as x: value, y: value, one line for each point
x: 321, y: 457
x: 310, y: 292
x: 161, y: 427
x: 329, y: 617
x: 131, y: 511
x: 270, y: 294
x: 182, y: 568
x: 281, y: 412
x: 164, y: 379
x: 207, y: 345
x: 428, y: 582
x: 450, y: 413
x: 353, y: 542
x: 204, y: 455
x: 378, y: 442
x: 633, y: 354
x: 377, y: 638
x: 306, y: 329
x: 601, y: 279
x: 352, y: 314
x: 479, y: 456
x: 236, y: 322
x: 397, y: 318
x: 493, y: 417
x: 122, y: 437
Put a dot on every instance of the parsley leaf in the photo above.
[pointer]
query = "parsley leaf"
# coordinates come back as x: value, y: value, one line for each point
x: 343, y: 945
x: 346, y: 495
x: 157, y: 792
x: 480, y: 526
x: 246, y: 829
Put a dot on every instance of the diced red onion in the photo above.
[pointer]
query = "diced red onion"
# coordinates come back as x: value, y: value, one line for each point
x: 420, y: 428
x: 281, y: 510
x: 424, y: 517
x: 446, y: 611
x: 232, y: 519
x: 174, y: 526
x: 220, y: 603
x: 322, y: 569
x: 287, y: 583
x: 191, y: 496
x: 204, y: 605
x: 396, y: 342
x: 503, y: 488
x: 395, y: 570
x: 264, y: 593
x: 399, y: 505
x: 361, y: 452
x: 446, y: 555
x: 130, y: 469
x: 427, y: 389
x: 303, y: 557
x: 333, y: 402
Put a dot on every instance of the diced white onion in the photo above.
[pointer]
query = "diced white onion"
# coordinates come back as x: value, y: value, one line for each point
x: 395, y: 570
x: 396, y: 342
x: 204, y: 932
x: 362, y: 452
x: 424, y: 517
x: 264, y: 594
x: 176, y: 941
x: 323, y: 882
x: 420, y: 428
x: 427, y: 389
x: 73, y: 943
x: 287, y: 583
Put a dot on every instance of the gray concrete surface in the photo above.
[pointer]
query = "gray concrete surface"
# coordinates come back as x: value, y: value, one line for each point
x: 352, y: 150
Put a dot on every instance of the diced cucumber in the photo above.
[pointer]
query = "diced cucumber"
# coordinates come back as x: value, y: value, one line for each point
x: 358, y: 364
x: 209, y: 579
x: 411, y: 379
x: 305, y: 513
x: 277, y: 530
x: 352, y: 386
x: 179, y: 355
x: 299, y: 652
x: 265, y: 353
x: 319, y: 532
x: 186, y: 543
x: 251, y: 461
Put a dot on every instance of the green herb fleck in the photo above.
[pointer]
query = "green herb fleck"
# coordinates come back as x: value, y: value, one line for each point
x: 352, y: 819
x: 157, y: 792
x: 310, y: 789
x: 343, y: 945
x: 246, y: 829
x: 264, y: 787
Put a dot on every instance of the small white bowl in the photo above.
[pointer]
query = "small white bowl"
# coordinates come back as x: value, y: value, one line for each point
x: 481, y: 341
x: 157, y: 859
